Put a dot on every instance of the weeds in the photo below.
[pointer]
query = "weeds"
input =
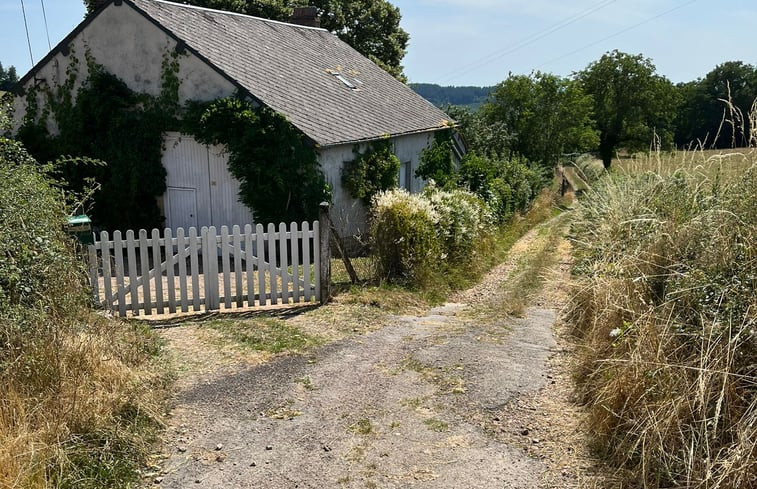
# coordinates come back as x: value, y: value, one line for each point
x: 264, y: 334
x: 362, y: 427
x: 665, y: 311
x: 81, y: 397
x: 436, y: 425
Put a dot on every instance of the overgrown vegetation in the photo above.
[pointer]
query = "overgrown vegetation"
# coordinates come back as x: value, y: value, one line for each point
x: 442, y: 239
x: 372, y: 171
x: 437, y: 161
x: 77, y: 408
x: 106, y: 122
x: 666, y: 310
x: 278, y: 172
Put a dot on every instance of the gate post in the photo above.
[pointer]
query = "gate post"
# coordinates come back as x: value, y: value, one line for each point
x: 324, y: 224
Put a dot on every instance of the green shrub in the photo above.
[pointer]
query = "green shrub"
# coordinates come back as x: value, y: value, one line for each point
x: 36, y: 259
x: 506, y: 185
x: 438, y: 162
x: 373, y: 171
x: 76, y: 410
x: 404, y: 239
x: 666, y: 312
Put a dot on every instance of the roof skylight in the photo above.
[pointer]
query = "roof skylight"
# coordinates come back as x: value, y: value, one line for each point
x: 344, y: 80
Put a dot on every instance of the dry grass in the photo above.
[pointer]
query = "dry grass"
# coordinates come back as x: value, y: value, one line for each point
x: 80, y: 396
x: 665, y: 311
x: 706, y: 163
x: 84, y: 412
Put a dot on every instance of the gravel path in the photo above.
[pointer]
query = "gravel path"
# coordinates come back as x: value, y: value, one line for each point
x: 426, y: 402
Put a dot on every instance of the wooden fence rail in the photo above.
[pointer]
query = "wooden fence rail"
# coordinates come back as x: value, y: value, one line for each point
x: 157, y: 273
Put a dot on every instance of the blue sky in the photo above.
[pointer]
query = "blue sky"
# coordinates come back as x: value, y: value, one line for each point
x: 478, y: 42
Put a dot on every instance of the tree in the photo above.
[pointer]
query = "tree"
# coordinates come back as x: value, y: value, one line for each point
x: 372, y: 27
x: 632, y: 103
x: 547, y: 116
x: 715, y: 108
x: 482, y: 137
x: 8, y: 78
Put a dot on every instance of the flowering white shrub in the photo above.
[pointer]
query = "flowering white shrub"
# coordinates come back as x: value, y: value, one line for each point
x: 404, y: 239
x: 463, y: 218
x: 412, y: 234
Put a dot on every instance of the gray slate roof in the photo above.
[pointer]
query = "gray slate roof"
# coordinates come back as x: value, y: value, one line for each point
x: 290, y: 68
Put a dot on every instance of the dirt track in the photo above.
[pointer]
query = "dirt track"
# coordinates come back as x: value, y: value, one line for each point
x: 426, y: 402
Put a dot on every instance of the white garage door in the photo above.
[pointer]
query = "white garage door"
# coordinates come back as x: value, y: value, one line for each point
x: 193, y: 168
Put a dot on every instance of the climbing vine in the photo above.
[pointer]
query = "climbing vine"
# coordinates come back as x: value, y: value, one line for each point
x: 278, y: 171
x: 438, y: 162
x: 105, y: 120
x: 372, y: 171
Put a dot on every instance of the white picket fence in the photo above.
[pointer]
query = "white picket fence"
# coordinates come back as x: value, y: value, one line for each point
x: 207, y: 271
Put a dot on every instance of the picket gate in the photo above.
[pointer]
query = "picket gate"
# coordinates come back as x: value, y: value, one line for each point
x: 143, y: 274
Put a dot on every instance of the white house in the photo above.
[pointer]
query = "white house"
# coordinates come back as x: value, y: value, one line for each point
x: 335, y: 96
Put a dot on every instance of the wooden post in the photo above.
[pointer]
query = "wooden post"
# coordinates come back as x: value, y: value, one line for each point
x: 325, y: 251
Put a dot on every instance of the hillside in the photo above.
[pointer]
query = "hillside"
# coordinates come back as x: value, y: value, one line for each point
x: 471, y: 97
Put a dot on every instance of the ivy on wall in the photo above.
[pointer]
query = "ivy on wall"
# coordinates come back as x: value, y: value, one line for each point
x: 438, y: 161
x: 109, y: 122
x: 278, y: 171
x: 375, y: 170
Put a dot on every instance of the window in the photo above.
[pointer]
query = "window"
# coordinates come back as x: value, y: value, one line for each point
x: 406, y: 178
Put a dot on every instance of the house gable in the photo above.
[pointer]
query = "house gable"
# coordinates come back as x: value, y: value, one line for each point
x: 130, y: 46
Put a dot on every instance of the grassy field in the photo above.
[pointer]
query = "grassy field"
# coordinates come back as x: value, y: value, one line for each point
x: 707, y: 163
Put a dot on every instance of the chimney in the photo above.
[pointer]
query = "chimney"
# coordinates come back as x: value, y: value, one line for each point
x: 307, y: 16
x: 95, y: 5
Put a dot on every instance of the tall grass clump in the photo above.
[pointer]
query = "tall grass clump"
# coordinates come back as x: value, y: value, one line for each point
x: 76, y: 408
x: 666, y: 315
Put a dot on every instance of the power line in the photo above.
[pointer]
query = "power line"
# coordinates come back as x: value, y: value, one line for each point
x: 28, y: 40
x: 47, y: 31
x: 685, y: 4
x: 528, y: 40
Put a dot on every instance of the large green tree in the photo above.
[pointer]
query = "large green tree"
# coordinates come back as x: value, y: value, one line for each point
x: 8, y: 77
x: 714, y: 110
x: 545, y: 114
x: 632, y: 103
x: 372, y: 27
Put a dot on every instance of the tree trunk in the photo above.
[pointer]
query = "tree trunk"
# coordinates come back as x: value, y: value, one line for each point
x: 606, y: 150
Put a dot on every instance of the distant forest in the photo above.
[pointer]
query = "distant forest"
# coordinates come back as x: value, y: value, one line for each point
x: 469, y: 97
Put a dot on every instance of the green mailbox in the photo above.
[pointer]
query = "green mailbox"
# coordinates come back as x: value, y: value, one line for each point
x: 81, y: 227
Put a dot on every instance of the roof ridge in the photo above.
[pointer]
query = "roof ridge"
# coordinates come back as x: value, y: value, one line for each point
x: 236, y: 14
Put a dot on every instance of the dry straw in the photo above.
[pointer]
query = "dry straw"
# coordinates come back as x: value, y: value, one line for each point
x: 666, y: 313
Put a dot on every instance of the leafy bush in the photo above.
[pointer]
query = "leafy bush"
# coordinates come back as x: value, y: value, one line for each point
x: 506, y: 185
x: 666, y: 312
x: 371, y: 172
x: 76, y: 411
x: 404, y: 239
x: 414, y: 235
x: 437, y: 162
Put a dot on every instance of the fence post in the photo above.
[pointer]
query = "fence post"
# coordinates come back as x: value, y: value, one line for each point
x: 324, y: 223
